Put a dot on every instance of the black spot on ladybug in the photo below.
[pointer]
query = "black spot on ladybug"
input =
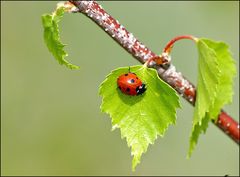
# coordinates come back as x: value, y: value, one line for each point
x: 132, y: 80
x: 136, y: 77
x: 128, y: 89
x: 125, y: 74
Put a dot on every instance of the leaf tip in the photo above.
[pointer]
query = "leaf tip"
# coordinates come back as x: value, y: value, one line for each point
x: 191, y: 148
x: 74, y: 67
x: 135, y: 161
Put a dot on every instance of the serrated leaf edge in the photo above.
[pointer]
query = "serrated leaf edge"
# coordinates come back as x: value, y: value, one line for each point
x: 58, y: 42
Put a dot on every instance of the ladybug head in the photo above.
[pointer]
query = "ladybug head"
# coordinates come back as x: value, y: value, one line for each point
x: 141, y: 89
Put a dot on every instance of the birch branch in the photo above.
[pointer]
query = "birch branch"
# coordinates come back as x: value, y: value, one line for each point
x: 140, y: 52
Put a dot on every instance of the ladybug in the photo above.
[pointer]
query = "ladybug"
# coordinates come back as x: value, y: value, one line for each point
x: 130, y: 84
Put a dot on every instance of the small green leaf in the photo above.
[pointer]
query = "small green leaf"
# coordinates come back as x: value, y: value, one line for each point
x: 52, y: 38
x: 140, y: 118
x: 216, y: 71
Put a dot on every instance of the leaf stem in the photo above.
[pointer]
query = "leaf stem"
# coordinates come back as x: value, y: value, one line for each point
x: 139, y: 51
x: 170, y: 44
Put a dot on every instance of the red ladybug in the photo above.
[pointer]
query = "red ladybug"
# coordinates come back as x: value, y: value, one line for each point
x: 130, y: 84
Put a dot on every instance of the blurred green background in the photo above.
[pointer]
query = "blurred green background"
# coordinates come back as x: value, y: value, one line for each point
x: 51, y: 121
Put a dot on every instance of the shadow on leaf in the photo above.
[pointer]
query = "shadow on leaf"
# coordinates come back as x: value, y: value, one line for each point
x: 129, y: 99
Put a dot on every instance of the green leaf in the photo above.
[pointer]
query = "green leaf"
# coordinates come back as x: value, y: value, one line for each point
x: 52, y: 38
x: 216, y: 70
x: 140, y: 118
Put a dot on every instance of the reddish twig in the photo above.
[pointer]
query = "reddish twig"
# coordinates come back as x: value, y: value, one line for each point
x: 228, y: 125
x: 139, y: 51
